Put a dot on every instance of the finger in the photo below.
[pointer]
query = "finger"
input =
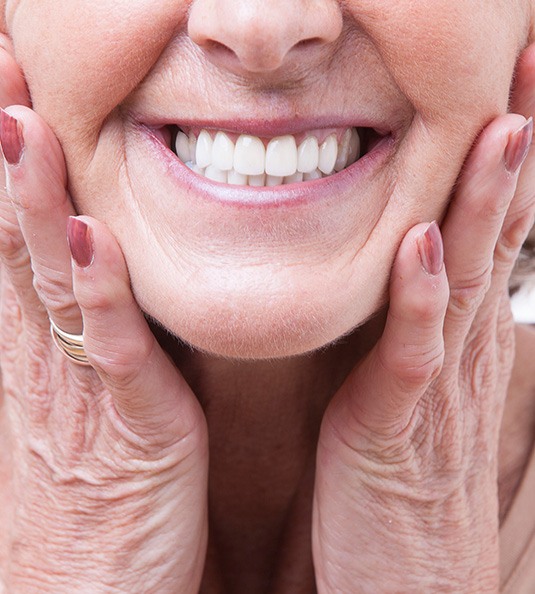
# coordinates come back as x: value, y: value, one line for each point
x: 37, y: 179
x: 13, y: 250
x: 13, y: 89
x: 520, y: 212
x: 475, y: 219
x: 148, y: 392
x: 384, y: 391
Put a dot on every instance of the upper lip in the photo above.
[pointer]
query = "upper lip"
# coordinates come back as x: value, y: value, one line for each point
x: 264, y: 127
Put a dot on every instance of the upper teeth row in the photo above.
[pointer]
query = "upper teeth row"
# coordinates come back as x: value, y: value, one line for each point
x: 282, y: 158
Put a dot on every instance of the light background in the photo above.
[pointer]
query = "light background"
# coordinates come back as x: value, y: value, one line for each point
x: 524, y: 306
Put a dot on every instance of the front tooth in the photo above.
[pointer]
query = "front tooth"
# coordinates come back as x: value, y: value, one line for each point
x: 203, y: 152
x: 316, y: 174
x: 274, y: 180
x: 293, y: 179
x: 343, y: 152
x: 249, y: 155
x: 281, y: 156
x: 182, y: 147
x: 236, y: 178
x: 308, y: 155
x: 223, y: 152
x: 328, y: 153
x: 257, y: 180
x: 214, y: 173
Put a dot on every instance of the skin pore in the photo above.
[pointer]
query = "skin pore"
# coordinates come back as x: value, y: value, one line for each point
x: 253, y: 284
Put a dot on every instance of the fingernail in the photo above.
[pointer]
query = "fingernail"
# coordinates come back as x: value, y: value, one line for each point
x: 518, y: 146
x: 431, y: 249
x: 11, y: 138
x: 80, y: 242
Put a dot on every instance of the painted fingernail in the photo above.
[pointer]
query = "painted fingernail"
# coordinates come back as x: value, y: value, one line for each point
x: 80, y: 242
x: 11, y: 138
x: 518, y: 146
x: 431, y: 249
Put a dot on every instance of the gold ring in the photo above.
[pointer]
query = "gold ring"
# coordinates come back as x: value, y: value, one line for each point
x: 71, y: 345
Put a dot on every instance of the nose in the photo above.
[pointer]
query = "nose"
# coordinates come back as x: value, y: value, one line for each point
x: 260, y: 36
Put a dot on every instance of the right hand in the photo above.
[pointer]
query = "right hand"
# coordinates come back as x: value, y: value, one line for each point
x: 107, y: 465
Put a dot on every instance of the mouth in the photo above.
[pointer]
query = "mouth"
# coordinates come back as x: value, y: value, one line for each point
x: 243, y: 159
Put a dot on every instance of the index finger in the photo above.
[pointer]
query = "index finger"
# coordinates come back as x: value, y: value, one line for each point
x: 37, y: 186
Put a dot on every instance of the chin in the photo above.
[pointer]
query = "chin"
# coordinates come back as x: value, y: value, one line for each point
x: 262, y: 327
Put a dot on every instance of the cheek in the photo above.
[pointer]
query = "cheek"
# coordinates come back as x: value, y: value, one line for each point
x: 453, y: 60
x: 94, y: 62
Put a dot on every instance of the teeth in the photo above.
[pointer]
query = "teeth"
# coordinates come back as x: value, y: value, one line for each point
x: 249, y: 155
x: 354, y: 147
x: 257, y: 180
x: 316, y: 174
x: 236, y: 178
x: 203, y: 152
x: 182, y: 147
x: 274, y: 180
x: 195, y: 168
x: 223, y: 152
x: 328, y: 154
x: 248, y: 161
x: 214, y: 173
x: 281, y: 156
x: 192, y: 145
x: 308, y: 155
x: 343, y: 152
x: 293, y: 179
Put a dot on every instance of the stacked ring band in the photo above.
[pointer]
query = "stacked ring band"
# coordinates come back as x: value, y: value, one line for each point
x: 71, y: 345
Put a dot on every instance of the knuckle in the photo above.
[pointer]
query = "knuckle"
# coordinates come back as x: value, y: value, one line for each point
x: 12, y: 245
x: 428, y: 310
x: 512, y: 237
x: 414, y: 371
x: 55, y: 293
x: 466, y: 298
x: 120, y: 366
x: 97, y: 300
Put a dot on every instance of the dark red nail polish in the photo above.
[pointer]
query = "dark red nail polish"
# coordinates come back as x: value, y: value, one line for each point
x: 431, y: 249
x: 11, y: 138
x: 518, y: 146
x: 80, y: 242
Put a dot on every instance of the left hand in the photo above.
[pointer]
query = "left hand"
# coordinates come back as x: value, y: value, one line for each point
x: 406, y: 485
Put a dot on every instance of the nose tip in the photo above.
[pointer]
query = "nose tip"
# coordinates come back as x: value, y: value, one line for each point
x: 262, y: 35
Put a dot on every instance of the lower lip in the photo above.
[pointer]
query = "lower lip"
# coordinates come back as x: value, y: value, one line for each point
x: 268, y: 197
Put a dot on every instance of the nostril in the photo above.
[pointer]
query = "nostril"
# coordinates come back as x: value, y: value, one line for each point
x: 210, y: 45
x: 307, y: 43
x: 257, y: 36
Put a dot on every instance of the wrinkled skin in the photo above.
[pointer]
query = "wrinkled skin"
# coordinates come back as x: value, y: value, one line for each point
x: 435, y: 82
x: 114, y: 459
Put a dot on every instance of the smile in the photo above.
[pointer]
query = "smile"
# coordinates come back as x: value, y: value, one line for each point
x: 247, y: 160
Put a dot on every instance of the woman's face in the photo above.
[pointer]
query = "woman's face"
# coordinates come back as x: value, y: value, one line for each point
x: 241, y: 270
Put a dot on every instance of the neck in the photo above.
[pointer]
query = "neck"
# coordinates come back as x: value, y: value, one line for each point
x: 264, y: 419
